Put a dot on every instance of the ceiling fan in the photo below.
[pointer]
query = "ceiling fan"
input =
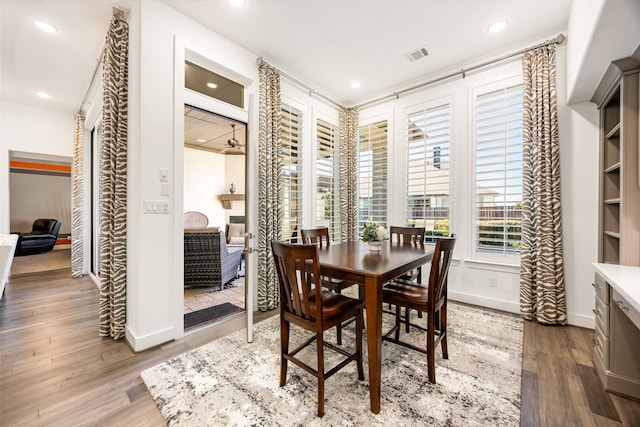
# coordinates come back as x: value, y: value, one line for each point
x: 233, y: 143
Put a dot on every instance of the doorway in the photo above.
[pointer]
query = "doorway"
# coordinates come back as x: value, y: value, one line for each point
x: 215, y: 153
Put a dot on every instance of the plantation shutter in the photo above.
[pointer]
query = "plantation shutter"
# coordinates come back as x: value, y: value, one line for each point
x: 428, y: 169
x: 372, y: 173
x: 291, y: 152
x: 327, y: 178
x: 498, y: 170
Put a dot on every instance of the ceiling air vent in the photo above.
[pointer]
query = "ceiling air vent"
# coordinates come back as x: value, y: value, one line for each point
x: 417, y: 54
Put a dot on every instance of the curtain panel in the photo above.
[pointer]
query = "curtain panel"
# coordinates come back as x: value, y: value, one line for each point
x: 542, y: 288
x: 269, y: 184
x: 113, y: 182
x: 348, y: 164
x: 77, y: 201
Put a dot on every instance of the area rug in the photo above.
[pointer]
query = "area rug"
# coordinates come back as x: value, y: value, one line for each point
x: 230, y: 382
x: 210, y: 313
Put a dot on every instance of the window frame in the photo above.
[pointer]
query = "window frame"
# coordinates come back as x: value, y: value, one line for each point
x: 507, y: 259
x: 407, y: 112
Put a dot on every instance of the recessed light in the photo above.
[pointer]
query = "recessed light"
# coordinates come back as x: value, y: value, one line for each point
x: 212, y: 85
x: 201, y: 140
x: 45, y: 26
x: 238, y: 3
x: 355, y: 85
x: 497, y: 27
x: 43, y: 95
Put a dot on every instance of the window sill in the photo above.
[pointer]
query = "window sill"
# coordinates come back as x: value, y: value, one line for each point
x: 493, y: 266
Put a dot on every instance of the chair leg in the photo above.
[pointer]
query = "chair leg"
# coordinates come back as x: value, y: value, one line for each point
x: 397, y: 336
x: 359, y: 327
x: 406, y: 316
x: 431, y: 359
x: 443, y: 331
x: 284, y: 349
x: 320, y: 353
x: 339, y: 327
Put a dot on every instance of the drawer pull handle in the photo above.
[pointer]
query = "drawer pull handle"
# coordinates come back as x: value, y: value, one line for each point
x: 620, y: 304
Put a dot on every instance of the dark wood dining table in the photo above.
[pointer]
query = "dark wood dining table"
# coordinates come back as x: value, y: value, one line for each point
x: 355, y: 262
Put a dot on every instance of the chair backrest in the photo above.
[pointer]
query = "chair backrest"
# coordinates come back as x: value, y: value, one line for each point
x: 316, y: 236
x: 297, y: 269
x: 440, y: 272
x: 46, y: 225
x: 407, y: 235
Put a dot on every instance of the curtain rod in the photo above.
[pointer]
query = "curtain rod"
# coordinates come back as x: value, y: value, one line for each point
x: 559, y: 39
x: 311, y: 90
x: 117, y: 13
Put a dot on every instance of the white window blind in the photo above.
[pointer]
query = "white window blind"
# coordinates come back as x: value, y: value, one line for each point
x: 290, y: 152
x: 428, y: 169
x: 327, y: 176
x: 498, y: 171
x: 372, y: 173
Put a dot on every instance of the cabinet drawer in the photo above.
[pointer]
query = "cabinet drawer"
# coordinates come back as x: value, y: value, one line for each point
x: 625, y: 308
x: 601, y: 288
x: 601, y: 313
x: 601, y: 347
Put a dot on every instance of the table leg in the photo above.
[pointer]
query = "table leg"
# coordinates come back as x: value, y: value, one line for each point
x: 373, y: 306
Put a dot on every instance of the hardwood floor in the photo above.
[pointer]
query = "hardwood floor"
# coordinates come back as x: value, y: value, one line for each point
x: 56, y: 371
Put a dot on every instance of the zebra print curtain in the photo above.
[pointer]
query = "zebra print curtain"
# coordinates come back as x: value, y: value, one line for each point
x: 113, y: 182
x: 542, y: 291
x: 269, y: 180
x: 77, y: 226
x: 348, y: 125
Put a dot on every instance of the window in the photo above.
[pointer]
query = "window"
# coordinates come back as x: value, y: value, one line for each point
x: 372, y: 173
x: 212, y: 84
x: 427, y: 169
x: 291, y: 148
x: 326, y: 175
x: 498, y: 171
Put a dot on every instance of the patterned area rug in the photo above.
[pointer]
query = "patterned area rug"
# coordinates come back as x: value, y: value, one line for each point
x: 234, y: 383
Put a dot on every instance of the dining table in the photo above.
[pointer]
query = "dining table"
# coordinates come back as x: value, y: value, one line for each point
x: 355, y: 262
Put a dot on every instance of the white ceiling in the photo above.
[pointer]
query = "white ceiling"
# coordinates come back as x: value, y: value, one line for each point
x: 324, y: 43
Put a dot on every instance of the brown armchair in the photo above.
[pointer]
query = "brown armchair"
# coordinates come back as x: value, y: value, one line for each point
x: 207, y: 261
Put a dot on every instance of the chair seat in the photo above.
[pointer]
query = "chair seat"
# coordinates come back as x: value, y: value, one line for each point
x: 334, y: 305
x: 407, y: 294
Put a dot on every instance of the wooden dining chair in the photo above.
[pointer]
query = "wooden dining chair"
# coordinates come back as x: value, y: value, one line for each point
x: 309, y: 307
x: 320, y: 237
x: 409, y: 236
x: 430, y: 298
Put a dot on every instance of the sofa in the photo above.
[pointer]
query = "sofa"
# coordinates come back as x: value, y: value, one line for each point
x: 207, y: 260
x: 41, y: 238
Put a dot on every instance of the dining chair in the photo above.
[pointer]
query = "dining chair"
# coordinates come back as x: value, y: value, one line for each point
x: 409, y: 236
x: 320, y: 237
x: 430, y: 298
x: 309, y: 307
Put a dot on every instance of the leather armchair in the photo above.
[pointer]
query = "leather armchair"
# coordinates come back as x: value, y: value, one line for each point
x: 42, y: 237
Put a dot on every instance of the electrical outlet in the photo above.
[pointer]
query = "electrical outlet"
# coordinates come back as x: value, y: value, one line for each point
x: 493, y: 281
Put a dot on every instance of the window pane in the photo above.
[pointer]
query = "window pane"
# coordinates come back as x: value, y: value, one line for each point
x: 498, y: 171
x: 428, y: 170
x: 291, y: 155
x: 372, y: 173
x: 326, y: 175
x: 214, y: 85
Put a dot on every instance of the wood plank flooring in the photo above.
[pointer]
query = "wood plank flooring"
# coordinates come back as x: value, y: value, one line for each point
x: 56, y: 371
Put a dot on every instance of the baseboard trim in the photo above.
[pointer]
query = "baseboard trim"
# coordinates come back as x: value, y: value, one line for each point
x: 511, y: 307
x: 146, y: 342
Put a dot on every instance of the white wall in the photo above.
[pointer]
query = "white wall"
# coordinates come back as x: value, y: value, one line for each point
x: 204, y: 180
x: 470, y: 280
x: 234, y: 173
x: 156, y: 102
x: 32, y: 130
